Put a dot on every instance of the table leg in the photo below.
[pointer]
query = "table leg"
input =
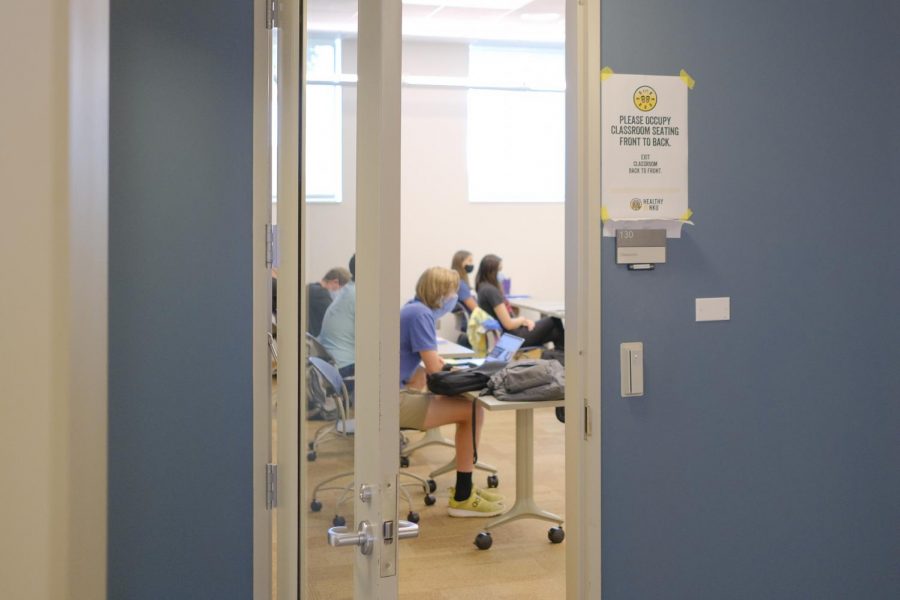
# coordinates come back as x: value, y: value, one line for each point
x: 525, y: 506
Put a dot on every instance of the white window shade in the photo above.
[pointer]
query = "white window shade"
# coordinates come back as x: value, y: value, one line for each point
x: 324, y: 124
x: 516, y: 139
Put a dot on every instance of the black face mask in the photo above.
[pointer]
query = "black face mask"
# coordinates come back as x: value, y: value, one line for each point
x: 470, y: 268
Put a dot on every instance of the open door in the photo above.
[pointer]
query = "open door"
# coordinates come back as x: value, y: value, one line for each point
x: 343, y: 538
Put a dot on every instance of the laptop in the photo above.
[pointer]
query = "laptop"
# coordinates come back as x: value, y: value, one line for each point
x: 506, y: 348
x: 503, y: 352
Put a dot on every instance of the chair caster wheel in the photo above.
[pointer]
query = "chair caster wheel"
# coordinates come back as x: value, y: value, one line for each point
x: 483, y: 540
x: 404, y: 462
x: 311, y: 456
x: 338, y: 521
x: 556, y: 535
x: 315, y: 506
x: 493, y: 481
x: 412, y: 516
x: 429, y: 500
x: 432, y: 485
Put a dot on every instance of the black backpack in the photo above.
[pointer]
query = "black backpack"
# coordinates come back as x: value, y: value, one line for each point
x: 454, y: 383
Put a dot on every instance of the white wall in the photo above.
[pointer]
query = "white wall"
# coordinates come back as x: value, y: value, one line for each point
x: 437, y: 218
x: 52, y: 514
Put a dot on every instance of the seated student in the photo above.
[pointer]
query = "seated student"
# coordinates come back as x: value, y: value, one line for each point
x: 338, y: 333
x: 419, y: 409
x: 464, y: 264
x: 492, y: 301
x: 321, y: 293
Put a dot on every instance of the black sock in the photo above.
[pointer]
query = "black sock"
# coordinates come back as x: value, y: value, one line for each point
x: 463, y: 486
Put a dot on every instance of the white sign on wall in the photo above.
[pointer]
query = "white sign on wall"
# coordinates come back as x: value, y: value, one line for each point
x: 645, y: 152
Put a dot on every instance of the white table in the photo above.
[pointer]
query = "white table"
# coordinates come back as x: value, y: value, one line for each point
x: 448, y: 349
x: 546, y: 308
x: 524, y: 507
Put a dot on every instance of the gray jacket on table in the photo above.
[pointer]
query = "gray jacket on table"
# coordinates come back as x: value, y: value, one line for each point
x: 528, y: 381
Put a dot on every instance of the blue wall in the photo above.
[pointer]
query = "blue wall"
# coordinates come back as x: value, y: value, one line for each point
x: 764, y: 459
x: 180, y: 396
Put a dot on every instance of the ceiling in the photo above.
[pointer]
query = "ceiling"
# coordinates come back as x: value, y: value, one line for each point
x: 540, y: 21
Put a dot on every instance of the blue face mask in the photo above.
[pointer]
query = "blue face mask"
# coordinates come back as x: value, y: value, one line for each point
x: 446, y: 307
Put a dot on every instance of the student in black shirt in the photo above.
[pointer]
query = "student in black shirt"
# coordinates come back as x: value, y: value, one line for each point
x: 493, y: 302
x: 321, y: 293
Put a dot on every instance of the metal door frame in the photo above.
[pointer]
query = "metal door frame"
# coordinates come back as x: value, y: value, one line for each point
x: 378, y: 245
x: 262, y: 304
x: 583, y: 237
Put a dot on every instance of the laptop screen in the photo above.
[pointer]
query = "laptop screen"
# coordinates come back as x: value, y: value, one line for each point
x: 506, y: 347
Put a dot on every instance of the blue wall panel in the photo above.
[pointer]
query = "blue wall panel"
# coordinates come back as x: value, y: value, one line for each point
x: 180, y: 394
x: 763, y: 460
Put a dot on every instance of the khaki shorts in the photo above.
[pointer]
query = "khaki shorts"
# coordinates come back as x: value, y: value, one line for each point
x: 414, y: 408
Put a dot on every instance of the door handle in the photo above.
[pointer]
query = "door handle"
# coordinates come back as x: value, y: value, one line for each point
x: 407, y: 530
x: 365, y: 535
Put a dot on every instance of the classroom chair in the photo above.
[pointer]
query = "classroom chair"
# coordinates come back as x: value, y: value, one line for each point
x: 334, y: 384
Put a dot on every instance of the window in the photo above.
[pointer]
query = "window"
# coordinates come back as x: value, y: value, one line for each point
x: 516, y: 124
x: 323, y: 121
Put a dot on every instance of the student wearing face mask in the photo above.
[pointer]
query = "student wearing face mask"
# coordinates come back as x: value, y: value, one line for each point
x: 492, y: 300
x: 321, y: 294
x: 420, y: 409
x: 464, y: 264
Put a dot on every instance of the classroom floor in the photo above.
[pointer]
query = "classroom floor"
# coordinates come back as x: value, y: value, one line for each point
x: 443, y: 563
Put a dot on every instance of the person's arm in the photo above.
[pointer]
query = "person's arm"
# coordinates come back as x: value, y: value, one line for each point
x: 509, y: 323
x: 432, y: 361
x: 470, y: 304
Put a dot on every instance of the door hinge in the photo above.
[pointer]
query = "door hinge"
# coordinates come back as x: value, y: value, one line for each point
x: 271, y: 14
x: 271, y: 486
x: 270, y: 245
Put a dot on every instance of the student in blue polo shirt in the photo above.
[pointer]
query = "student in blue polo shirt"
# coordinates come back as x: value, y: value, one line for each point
x: 420, y: 409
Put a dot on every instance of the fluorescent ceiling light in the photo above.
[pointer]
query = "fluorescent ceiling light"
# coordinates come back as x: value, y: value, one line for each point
x: 486, y: 4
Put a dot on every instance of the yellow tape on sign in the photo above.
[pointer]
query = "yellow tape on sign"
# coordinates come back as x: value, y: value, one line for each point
x: 687, y: 215
x: 688, y: 80
x: 604, y: 214
x: 606, y: 73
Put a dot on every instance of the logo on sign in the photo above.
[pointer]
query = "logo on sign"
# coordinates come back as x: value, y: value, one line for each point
x: 645, y: 98
x: 636, y: 204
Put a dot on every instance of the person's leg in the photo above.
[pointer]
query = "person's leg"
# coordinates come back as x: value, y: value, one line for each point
x: 544, y: 331
x: 466, y: 501
x: 558, y: 336
x: 443, y: 410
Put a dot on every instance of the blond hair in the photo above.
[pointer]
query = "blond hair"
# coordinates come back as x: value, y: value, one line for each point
x: 435, y: 284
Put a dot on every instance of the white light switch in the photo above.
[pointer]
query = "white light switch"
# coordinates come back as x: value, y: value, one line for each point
x: 713, y: 309
x: 631, y: 356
